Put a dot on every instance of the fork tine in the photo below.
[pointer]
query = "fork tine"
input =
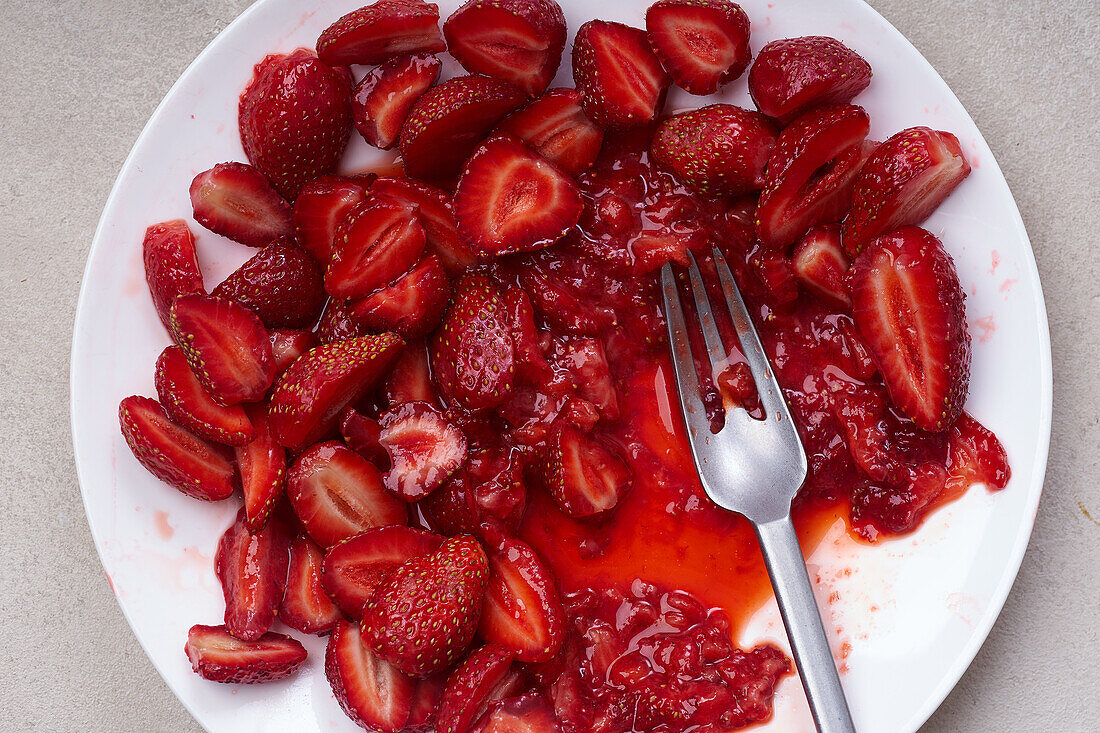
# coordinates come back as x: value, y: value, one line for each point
x: 687, y: 380
x: 715, y: 349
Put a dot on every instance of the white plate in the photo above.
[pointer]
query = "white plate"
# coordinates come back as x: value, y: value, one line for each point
x: 909, y: 615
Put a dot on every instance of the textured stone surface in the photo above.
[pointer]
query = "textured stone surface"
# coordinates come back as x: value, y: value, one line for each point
x: 79, y: 80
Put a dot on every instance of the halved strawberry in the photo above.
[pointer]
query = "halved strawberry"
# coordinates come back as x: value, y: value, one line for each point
x: 777, y: 277
x: 902, y: 182
x: 373, y: 693
x: 287, y: 345
x: 585, y: 477
x: 511, y: 200
x: 423, y: 617
x: 184, y: 461
x: 527, y: 714
x: 252, y: 570
x: 620, y: 80
x: 820, y: 265
x: 305, y: 605
x: 425, y: 703
x: 354, y: 568
x: 188, y: 403
x: 317, y: 387
x: 811, y: 172
x: 218, y: 656
x: 436, y: 216
x: 908, y: 306
x: 380, y: 31
x: 361, y: 434
x: 320, y: 207
x: 486, y: 675
x: 171, y: 265
x: 338, y: 324
x: 519, y: 41
x: 384, y: 97
x: 262, y: 467
x: 523, y: 609
x: 411, y: 378
x: 281, y: 284
x: 412, y: 306
x: 720, y: 150
x: 449, y: 121
x: 702, y: 43
x: 424, y: 449
x: 337, y: 493
x: 236, y: 201
x: 378, y: 241
x: 530, y: 362
x: 556, y: 127
x: 793, y: 74
x: 586, y: 362
x: 295, y: 119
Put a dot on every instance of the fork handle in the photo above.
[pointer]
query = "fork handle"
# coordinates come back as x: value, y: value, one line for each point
x: 801, y: 616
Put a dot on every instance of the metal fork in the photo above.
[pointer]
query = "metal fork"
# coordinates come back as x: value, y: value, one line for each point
x: 755, y: 468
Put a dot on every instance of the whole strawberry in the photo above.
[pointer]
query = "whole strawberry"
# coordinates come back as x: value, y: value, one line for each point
x: 295, y: 119
x: 425, y: 615
x: 281, y: 284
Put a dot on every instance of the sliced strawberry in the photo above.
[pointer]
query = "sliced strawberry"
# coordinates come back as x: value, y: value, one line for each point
x: 702, y: 43
x: 252, y: 570
x: 337, y: 494
x: 171, y: 265
x: 288, y: 345
x: 424, y: 449
x: 380, y: 31
x: 527, y: 714
x: 719, y: 150
x: 320, y: 207
x: 262, y: 467
x: 305, y: 606
x: 436, y: 216
x: 562, y: 302
x: 218, y: 656
x: 811, y: 172
x: 236, y: 201
x: 903, y: 182
x: 184, y: 461
x: 586, y: 361
x: 412, y: 306
x: 449, y: 121
x: 511, y: 200
x: 585, y: 477
x: 487, y: 675
x: 411, y: 378
x: 378, y: 241
x: 188, y: 403
x: 425, y: 703
x: 519, y: 41
x: 295, y: 119
x: 317, y: 387
x: 423, y: 617
x: 338, y: 324
x: 281, y: 284
x: 373, y: 693
x: 354, y: 568
x: 361, y: 434
x: 530, y: 362
x: 908, y: 306
x: 793, y: 74
x: 472, y: 355
x: 383, y: 99
x: 556, y: 127
x: 621, y: 82
x: 820, y: 265
x: 777, y: 277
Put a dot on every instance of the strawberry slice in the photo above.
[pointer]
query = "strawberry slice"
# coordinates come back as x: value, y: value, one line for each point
x: 182, y: 460
x: 305, y: 606
x: 556, y: 127
x: 720, y: 150
x: 530, y: 362
x: 361, y: 434
x: 385, y: 96
x: 436, y: 216
x: 425, y: 702
x: 295, y: 119
x: 287, y: 345
x: 236, y: 201
x: 320, y: 207
x: 586, y: 361
x: 472, y: 355
x: 702, y: 43
x: 519, y: 41
x: 262, y: 467
x: 820, y: 265
x: 523, y: 609
x: 777, y: 277
x: 449, y: 121
x: 218, y: 656
x: 338, y: 324
x: 585, y: 477
x: 527, y: 714
x: 411, y: 378
x: 902, y: 182
x: 908, y: 306
x: 171, y: 265
x: 380, y: 31
x: 354, y: 568
x: 423, y: 617
x: 792, y: 75
x: 252, y: 570
x: 487, y: 675
x: 281, y: 284
x: 412, y: 306
x: 378, y: 241
x: 317, y: 387
x: 185, y: 400
x: 510, y: 199
x: 811, y: 172
x: 424, y: 449
x: 337, y: 494
x: 371, y: 691
x: 621, y: 81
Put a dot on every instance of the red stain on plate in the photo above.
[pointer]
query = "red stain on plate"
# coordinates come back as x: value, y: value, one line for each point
x: 995, y: 260
x: 164, y: 529
x: 987, y: 326
x: 1007, y: 285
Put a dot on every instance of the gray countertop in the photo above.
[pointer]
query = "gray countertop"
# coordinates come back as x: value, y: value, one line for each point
x: 78, y: 81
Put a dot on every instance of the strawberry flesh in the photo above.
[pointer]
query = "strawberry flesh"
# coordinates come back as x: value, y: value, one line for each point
x: 236, y: 201
x: 289, y: 344
x: 252, y: 569
x: 305, y: 606
x: 621, y: 81
x: 820, y: 264
x: 585, y: 477
x: 586, y: 360
x: 381, y: 31
x: 261, y: 464
x: 384, y: 97
x: 412, y: 306
x: 371, y: 691
x: 702, y: 43
x: 281, y: 284
x: 189, y: 405
x: 171, y: 265
x: 320, y: 207
x: 378, y: 241
x: 556, y: 127
x: 434, y: 208
x: 411, y: 378
x: 527, y: 714
x: 338, y: 324
x: 218, y: 656
x: 486, y: 675
x: 424, y: 449
x: 361, y: 434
